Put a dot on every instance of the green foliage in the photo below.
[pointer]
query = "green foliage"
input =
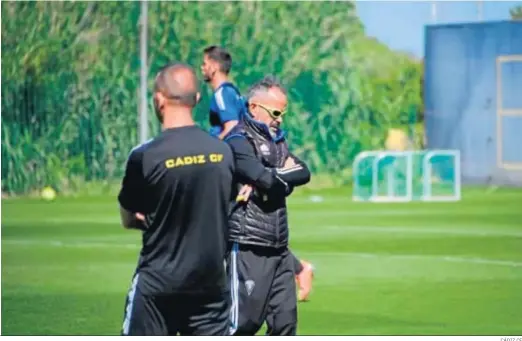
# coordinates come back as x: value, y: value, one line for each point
x: 516, y: 13
x: 71, y: 79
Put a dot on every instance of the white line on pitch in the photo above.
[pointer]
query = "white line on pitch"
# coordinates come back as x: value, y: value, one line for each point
x: 454, y: 259
x: 469, y: 260
x: 297, y: 212
x: 58, y: 243
x: 414, y: 230
x: 400, y: 212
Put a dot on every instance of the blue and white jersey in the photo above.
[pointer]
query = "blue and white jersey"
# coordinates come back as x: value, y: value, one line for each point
x: 226, y: 104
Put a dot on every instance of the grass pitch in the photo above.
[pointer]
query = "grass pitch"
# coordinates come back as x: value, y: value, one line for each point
x: 381, y: 269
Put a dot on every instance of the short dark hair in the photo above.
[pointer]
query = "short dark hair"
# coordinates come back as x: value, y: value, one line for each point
x: 220, y: 55
x: 265, y: 84
x: 167, y: 84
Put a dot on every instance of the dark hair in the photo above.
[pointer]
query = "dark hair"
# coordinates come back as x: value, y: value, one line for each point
x: 220, y: 55
x: 265, y: 84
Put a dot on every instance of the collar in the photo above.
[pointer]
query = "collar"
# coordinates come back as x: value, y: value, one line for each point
x: 263, y: 128
x: 225, y: 84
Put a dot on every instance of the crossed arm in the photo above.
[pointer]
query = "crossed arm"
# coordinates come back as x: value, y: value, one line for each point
x: 252, y: 171
x: 131, y: 194
x: 272, y: 180
x: 131, y: 220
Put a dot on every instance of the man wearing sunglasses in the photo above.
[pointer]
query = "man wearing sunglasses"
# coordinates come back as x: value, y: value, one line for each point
x: 226, y: 108
x: 260, y: 265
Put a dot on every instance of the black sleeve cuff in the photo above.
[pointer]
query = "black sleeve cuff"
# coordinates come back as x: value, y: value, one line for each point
x: 127, y: 203
x: 297, y: 265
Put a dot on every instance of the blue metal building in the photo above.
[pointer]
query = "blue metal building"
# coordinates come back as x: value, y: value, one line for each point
x: 473, y: 97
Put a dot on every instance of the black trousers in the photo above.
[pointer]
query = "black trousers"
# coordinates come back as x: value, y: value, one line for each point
x: 173, y: 314
x: 262, y: 289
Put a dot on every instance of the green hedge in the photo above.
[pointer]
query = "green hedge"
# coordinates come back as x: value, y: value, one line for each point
x: 70, y: 86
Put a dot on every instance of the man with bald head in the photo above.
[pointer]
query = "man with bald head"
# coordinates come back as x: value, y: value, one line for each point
x: 176, y: 189
x: 260, y: 264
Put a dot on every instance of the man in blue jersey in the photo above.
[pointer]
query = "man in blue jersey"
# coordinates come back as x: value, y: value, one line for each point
x: 226, y: 104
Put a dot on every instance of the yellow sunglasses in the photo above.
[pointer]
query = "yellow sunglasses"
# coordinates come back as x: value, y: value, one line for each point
x: 274, y: 113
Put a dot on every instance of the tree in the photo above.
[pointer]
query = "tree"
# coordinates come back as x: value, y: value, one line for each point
x: 516, y: 13
x: 67, y: 83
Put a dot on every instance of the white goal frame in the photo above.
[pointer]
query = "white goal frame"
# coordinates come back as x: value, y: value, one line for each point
x: 427, y: 174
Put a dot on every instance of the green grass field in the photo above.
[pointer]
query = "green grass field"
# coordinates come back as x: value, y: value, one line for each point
x: 381, y: 269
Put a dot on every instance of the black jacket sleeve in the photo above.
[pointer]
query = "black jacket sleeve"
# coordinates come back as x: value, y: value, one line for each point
x: 251, y: 170
x: 297, y: 175
x: 297, y: 264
